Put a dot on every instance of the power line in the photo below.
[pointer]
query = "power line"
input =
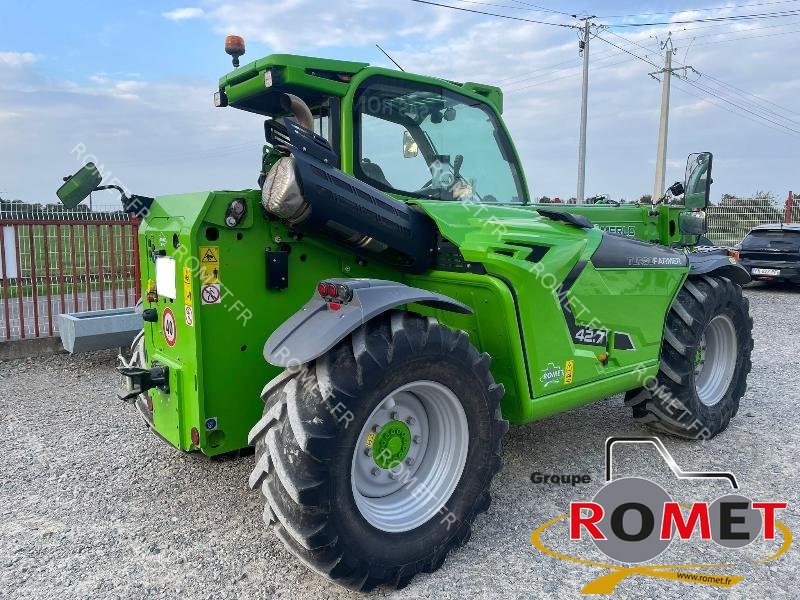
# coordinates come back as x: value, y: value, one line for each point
x: 545, y: 9
x: 491, y: 14
x: 720, y: 25
x: 746, y: 37
x: 527, y: 74
x: 714, y: 94
x: 757, y: 16
x: 723, y: 107
x: 571, y: 73
x: 755, y: 105
x: 704, y: 9
x: 751, y: 94
x: 739, y: 106
x: 649, y: 62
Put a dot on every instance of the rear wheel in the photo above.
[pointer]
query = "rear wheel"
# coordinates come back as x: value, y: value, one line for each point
x: 705, y: 360
x: 376, y: 458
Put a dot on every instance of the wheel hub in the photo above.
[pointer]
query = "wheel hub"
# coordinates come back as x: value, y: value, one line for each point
x: 391, y: 445
x: 409, y: 456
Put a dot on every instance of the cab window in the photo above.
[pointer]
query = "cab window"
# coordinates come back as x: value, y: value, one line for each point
x: 428, y: 142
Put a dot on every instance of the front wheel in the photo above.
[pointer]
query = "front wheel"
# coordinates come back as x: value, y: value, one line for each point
x: 376, y: 458
x: 705, y: 360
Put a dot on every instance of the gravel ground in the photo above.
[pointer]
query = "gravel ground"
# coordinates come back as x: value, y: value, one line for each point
x: 91, y: 505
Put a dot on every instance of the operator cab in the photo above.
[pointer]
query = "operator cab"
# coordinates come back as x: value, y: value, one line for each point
x: 412, y: 137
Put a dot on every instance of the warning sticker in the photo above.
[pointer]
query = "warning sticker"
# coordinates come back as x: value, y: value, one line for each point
x: 209, y: 264
x: 189, y: 315
x: 569, y: 371
x: 168, y: 327
x: 187, y: 286
x: 210, y: 294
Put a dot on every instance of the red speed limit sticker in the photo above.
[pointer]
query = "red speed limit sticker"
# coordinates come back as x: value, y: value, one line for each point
x: 168, y: 327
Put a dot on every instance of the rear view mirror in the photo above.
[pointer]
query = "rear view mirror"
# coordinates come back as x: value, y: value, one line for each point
x: 697, y: 186
x: 410, y: 147
x: 78, y: 186
x: 692, y: 223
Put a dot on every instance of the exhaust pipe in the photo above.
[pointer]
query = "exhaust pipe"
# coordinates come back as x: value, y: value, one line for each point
x: 299, y: 109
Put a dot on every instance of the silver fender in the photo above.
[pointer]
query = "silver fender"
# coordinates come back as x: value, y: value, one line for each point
x: 717, y: 263
x: 316, y: 328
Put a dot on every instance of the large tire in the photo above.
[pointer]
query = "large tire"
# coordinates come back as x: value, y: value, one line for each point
x: 314, y: 421
x: 705, y: 360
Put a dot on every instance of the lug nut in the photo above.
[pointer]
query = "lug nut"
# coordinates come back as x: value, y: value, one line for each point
x: 376, y: 428
x: 409, y: 461
x: 367, y: 451
x: 393, y: 415
x: 411, y: 420
x: 392, y: 475
x: 417, y: 439
x: 375, y: 471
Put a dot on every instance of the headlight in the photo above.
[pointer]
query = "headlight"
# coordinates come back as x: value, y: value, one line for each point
x: 281, y: 194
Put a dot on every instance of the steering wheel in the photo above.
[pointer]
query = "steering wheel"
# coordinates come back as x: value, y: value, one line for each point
x: 447, y: 178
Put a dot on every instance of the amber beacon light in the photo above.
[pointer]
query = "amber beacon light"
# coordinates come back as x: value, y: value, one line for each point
x: 234, y: 46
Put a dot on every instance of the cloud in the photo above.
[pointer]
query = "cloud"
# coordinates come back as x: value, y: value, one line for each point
x: 17, y: 59
x: 164, y: 135
x: 170, y: 139
x: 184, y: 14
x: 299, y: 25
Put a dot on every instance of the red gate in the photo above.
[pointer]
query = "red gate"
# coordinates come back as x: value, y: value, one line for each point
x: 54, y: 261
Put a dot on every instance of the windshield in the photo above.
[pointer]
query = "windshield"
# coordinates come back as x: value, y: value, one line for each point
x: 773, y: 239
x: 425, y: 141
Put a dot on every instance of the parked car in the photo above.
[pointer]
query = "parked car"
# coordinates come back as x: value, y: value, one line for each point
x: 772, y: 252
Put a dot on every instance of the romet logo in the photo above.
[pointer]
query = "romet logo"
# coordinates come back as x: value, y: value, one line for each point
x: 633, y: 520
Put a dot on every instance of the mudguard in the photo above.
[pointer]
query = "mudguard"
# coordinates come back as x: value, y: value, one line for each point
x: 717, y: 263
x: 321, y: 324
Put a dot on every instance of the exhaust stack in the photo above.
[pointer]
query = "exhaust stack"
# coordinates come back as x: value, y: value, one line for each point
x: 299, y: 109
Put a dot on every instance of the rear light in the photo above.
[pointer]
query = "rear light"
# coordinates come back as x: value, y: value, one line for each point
x: 149, y: 401
x: 220, y: 99
x: 195, y: 436
x: 152, y: 296
x: 335, y: 293
x: 734, y: 254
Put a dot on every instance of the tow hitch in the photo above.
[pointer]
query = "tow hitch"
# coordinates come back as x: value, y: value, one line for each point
x: 138, y: 380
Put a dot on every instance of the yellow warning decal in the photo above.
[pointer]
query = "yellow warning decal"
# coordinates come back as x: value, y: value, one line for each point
x: 187, y: 286
x: 569, y: 370
x: 370, y: 439
x: 209, y: 264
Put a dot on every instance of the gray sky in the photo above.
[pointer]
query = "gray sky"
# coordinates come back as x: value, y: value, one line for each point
x: 134, y: 86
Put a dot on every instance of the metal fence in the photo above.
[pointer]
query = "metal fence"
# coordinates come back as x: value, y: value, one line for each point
x: 56, y: 261
x: 733, y: 218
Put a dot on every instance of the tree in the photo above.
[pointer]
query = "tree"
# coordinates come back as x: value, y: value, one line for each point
x: 544, y: 200
x: 646, y: 199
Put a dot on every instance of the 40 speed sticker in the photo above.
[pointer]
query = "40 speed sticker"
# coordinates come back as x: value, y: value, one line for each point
x: 168, y: 327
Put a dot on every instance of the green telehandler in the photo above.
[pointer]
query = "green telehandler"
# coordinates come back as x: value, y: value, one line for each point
x: 403, y: 300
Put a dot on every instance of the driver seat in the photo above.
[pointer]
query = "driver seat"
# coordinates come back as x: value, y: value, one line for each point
x: 374, y: 172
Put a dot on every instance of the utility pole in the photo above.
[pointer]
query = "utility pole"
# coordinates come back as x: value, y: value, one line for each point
x: 663, y: 126
x: 584, y: 48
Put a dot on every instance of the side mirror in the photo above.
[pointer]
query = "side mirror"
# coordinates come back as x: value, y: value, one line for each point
x: 78, y: 186
x: 692, y: 223
x: 697, y: 186
x: 410, y: 146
